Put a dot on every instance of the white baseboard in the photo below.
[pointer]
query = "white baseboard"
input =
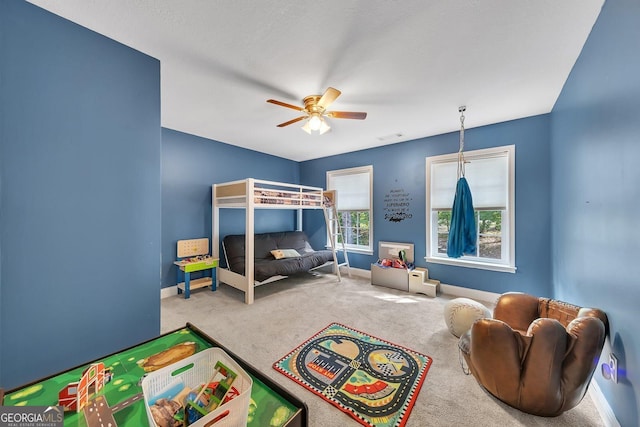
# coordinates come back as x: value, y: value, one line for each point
x: 475, y: 294
x: 356, y: 272
x: 603, y: 407
x: 456, y: 291
x: 359, y: 272
x: 168, y: 291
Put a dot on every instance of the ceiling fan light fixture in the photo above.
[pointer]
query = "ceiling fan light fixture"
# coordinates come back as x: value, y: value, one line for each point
x: 324, y: 127
x: 315, y: 111
x: 315, y: 121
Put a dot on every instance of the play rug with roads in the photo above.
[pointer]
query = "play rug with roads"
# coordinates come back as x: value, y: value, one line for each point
x: 374, y: 381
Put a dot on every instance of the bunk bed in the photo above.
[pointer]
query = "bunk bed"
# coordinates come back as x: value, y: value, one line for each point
x: 250, y: 194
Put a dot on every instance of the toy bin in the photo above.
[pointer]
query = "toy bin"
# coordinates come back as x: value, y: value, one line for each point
x: 193, y: 372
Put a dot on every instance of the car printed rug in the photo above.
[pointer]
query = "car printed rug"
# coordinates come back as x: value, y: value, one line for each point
x: 375, y: 381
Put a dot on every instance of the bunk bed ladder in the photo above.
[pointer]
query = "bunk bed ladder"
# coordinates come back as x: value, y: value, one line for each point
x: 336, y: 237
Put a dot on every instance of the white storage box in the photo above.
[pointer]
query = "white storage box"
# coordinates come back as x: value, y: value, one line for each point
x: 396, y: 278
x: 430, y: 287
x: 417, y: 278
x: 194, y: 371
x: 419, y: 283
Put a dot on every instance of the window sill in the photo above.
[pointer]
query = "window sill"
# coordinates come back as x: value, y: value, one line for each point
x: 471, y: 264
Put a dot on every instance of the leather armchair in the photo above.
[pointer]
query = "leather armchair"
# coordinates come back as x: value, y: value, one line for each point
x: 536, y: 354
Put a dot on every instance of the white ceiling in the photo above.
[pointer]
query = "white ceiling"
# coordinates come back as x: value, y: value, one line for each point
x: 409, y: 64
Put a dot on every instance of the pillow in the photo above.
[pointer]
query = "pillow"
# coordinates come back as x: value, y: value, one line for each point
x: 284, y: 253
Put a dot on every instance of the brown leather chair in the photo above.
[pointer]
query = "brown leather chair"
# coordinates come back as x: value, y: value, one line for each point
x: 536, y: 354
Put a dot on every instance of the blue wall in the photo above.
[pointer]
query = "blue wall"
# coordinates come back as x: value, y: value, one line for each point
x: 190, y: 166
x: 596, y: 190
x: 403, y: 166
x: 79, y: 194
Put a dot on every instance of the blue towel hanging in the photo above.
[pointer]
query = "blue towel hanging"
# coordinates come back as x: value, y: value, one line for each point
x: 462, y: 234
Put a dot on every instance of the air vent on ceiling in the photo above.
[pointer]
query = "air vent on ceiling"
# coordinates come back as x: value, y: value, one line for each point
x: 391, y: 137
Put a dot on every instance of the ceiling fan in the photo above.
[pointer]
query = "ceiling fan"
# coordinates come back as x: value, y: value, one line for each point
x: 315, y: 110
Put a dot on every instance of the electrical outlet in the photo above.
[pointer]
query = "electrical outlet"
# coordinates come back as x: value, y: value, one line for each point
x: 613, y: 366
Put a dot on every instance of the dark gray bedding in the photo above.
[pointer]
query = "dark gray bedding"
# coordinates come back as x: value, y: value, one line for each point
x: 266, y: 265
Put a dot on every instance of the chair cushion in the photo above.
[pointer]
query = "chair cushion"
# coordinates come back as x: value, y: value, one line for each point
x: 460, y: 313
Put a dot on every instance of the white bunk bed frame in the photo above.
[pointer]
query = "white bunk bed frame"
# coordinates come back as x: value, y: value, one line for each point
x: 250, y: 194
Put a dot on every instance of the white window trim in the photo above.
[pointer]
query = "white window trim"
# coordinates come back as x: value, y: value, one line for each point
x: 509, y: 267
x: 349, y: 171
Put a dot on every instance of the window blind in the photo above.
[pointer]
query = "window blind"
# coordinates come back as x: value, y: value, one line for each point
x: 352, y: 190
x: 488, y: 180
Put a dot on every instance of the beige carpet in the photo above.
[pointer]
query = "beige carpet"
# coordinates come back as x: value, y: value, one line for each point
x: 288, y: 312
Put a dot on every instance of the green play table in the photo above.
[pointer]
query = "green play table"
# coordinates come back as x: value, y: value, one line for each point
x: 271, y: 405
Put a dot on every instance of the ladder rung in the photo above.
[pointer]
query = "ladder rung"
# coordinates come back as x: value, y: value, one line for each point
x: 336, y: 232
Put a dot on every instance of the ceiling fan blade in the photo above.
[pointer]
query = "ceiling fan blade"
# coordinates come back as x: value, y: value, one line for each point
x: 284, y: 104
x: 297, y: 119
x: 328, y: 97
x: 347, y: 115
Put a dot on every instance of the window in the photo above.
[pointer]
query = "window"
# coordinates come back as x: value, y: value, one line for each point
x: 354, y: 206
x: 491, y: 177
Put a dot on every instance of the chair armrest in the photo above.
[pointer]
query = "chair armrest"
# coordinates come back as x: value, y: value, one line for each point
x: 597, y: 313
x: 516, y: 309
x: 496, y: 352
x: 588, y: 335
